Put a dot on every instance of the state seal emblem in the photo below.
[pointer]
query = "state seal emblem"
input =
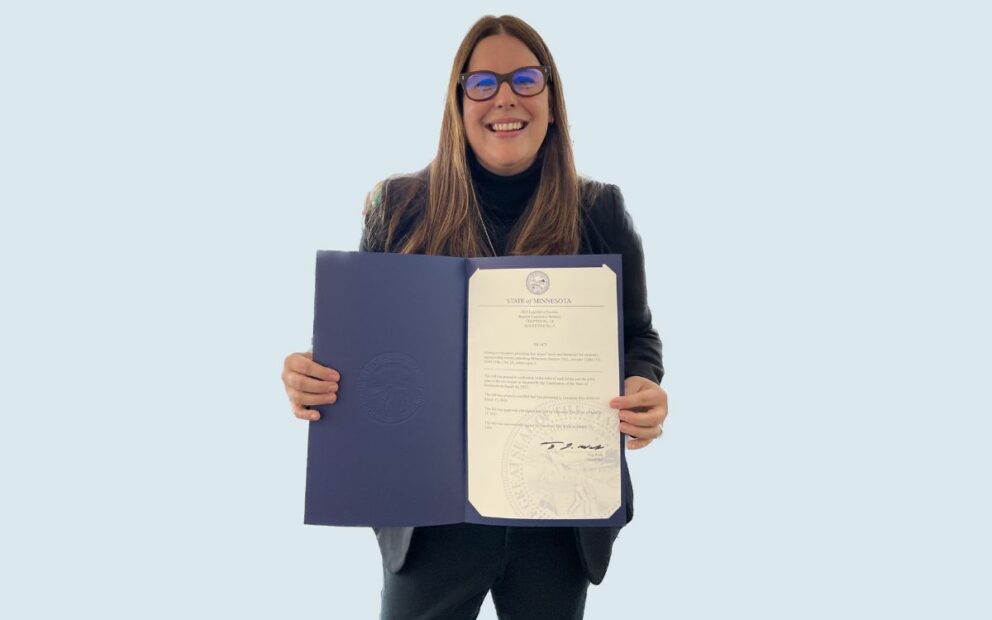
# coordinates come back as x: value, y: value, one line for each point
x: 538, y: 282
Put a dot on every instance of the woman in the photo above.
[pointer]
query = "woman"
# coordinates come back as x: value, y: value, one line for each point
x: 503, y: 182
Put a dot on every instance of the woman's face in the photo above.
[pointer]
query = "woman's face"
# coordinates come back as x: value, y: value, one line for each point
x: 505, y: 152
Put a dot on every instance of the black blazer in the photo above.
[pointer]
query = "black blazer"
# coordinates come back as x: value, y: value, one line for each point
x: 607, y: 228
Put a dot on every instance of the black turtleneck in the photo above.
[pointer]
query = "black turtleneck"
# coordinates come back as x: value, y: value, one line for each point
x: 503, y: 198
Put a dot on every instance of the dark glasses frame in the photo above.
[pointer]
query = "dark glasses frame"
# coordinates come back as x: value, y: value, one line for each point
x: 506, y: 77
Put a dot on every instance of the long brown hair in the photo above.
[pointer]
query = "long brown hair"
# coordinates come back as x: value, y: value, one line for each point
x: 450, y: 223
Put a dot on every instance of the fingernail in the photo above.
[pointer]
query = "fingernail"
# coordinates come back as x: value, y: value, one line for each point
x: 314, y: 416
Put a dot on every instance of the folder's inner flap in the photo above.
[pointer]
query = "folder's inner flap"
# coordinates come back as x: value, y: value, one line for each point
x: 389, y: 452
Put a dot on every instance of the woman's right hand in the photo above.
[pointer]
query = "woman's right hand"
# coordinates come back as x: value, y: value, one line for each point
x: 309, y: 383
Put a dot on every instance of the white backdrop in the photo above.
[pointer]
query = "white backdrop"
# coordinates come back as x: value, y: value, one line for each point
x: 812, y: 182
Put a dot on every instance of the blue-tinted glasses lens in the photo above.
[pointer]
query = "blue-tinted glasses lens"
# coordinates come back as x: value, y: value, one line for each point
x: 527, y: 81
x: 481, y: 85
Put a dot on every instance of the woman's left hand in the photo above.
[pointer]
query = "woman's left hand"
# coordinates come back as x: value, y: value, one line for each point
x: 643, y: 409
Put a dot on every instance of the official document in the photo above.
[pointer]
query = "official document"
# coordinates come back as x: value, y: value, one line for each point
x: 542, y: 360
x: 473, y: 390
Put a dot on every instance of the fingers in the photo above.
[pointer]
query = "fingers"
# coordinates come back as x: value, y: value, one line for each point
x: 308, y: 384
x: 651, y: 417
x: 643, y: 427
x: 305, y: 414
x: 309, y: 400
x: 301, y: 400
x: 639, y: 436
x: 650, y: 397
x: 302, y: 383
x: 303, y: 363
x: 637, y: 444
x: 640, y: 432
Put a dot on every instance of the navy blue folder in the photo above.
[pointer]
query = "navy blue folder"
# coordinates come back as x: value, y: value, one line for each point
x: 391, y: 450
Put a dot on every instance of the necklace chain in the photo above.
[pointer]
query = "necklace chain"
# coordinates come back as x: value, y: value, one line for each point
x: 485, y: 230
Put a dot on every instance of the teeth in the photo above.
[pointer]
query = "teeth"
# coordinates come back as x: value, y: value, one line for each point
x: 507, y: 126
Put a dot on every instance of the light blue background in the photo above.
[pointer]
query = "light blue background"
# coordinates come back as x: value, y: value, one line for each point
x: 812, y: 182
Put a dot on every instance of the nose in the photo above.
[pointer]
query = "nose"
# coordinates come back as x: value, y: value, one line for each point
x: 505, y: 97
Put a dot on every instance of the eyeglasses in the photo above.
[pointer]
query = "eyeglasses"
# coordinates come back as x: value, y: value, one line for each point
x: 525, y: 81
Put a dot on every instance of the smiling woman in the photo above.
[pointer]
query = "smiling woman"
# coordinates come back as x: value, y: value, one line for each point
x: 507, y: 128
x: 504, y: 116
x: 503, y: 182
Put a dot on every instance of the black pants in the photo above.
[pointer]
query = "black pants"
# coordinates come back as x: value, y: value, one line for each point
x: 533, y: 572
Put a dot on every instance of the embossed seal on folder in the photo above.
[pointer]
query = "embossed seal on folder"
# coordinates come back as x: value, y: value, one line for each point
x: 391, y: 388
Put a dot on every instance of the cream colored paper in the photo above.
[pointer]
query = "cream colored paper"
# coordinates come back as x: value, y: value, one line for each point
x: 543, y: 442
